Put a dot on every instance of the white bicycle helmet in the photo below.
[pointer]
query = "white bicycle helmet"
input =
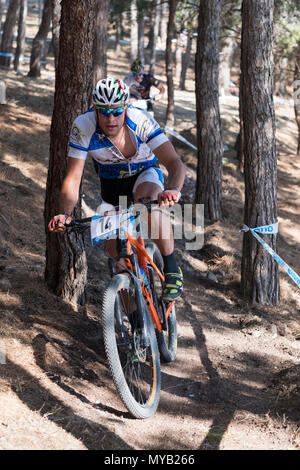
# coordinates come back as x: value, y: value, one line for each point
x: 109, y: 91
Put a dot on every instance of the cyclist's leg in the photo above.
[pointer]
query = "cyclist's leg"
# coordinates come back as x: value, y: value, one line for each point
x: 111, y: 191
x: 159, y: 228
x: 150, y: 184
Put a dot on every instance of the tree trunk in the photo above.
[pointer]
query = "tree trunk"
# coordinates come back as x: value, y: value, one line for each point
x: 66, y: 267
x: 141, y: 26
x: 239, y: 145
x: 2, y: 3
x: 163, y: 26
x: 118, y: 34
x: 39, y: 41
x: 100, y: 46
x: 297, y: 93
x: 210, y: 148
x: 8, y: 32
x: 226, y: 57
x: 56, y: 12
x: 259, y: 269
x: 281, y: 77
x: 40, y: 2
x: 133, y: 31
x: 178, y: 60
x: 154, y: 29
x: 21, y: 34
x: 185, y: 61
x: 170, y: 118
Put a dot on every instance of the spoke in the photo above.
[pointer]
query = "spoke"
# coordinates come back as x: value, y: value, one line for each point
x: 138, y: 387
x: 133, y: 358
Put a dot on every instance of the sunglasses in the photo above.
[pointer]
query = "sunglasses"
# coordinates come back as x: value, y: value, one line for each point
x: 115, y: 112
x: 137, y: 74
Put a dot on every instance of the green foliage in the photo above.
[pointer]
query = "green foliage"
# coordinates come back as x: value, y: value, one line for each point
x: 286, y: 27
x: 118, y: 6
x: 187, y: 15
x: 231, y: 20
x: 231, y: 15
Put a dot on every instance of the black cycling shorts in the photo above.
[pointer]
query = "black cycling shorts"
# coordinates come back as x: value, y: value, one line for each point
x: 111, y: 189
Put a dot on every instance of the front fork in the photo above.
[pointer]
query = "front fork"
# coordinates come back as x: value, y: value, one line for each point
x: 136, y: 292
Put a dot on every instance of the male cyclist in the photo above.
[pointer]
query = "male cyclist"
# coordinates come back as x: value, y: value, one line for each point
x: 140, y: 85
x: 122, y: 140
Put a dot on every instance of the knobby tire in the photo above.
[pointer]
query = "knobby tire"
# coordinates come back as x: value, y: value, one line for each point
x: 134, y: 363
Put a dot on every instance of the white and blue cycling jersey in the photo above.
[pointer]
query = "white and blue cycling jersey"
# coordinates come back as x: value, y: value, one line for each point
x: 87, y: 138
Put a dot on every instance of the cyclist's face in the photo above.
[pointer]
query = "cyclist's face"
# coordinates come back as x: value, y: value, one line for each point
x: 138, y: 77
x: 111, y: 119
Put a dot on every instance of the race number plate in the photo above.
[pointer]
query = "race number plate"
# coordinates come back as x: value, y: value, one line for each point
x: 104, y: 227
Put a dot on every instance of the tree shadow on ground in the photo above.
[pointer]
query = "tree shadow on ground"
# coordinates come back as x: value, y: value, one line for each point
x: 234, y: 396
x: 38, y: 399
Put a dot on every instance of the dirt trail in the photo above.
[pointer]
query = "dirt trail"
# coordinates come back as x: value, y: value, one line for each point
x: 235, y: 383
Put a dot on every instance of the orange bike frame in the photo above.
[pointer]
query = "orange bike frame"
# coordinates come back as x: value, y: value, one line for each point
x: 143, y: 257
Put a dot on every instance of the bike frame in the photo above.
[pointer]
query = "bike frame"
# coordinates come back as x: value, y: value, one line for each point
x: 143, y: 257
x: 125, y: 248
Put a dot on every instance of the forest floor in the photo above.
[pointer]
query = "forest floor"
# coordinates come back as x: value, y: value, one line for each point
x: 235, y: 383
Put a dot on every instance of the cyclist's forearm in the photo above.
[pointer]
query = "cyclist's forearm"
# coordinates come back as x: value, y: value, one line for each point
x: 176, y: 175
x: 67, y: 199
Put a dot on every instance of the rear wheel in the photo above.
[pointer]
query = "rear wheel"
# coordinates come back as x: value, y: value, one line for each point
x: 166, y: 339
x: 133, y: 358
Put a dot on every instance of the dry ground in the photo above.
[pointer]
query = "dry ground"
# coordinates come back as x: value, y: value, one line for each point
x: 235, y: 383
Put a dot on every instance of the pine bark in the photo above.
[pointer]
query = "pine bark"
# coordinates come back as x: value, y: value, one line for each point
x: 154, y: 35
x: 163, y: 24
x: 56, y: 12
x: 66, y: 266
x: 259, y: 269
x: 100, y: 46
x: 133, y: 31
x: 297, y: 93
x: 2, y: 2
x: 226, y: 57
x: 209, y: 138
x: 8, y: 32
x: 170, y: 118
x: 39, y: 41
x: 141, y: 38
x: 239, y: 145
x: 21, y: 34
x: 185, y: 61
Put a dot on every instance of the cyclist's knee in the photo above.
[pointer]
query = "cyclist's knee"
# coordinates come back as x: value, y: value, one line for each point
x: 147, y: 190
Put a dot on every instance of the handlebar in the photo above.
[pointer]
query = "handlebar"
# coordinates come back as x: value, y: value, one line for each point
x: 83, y: 224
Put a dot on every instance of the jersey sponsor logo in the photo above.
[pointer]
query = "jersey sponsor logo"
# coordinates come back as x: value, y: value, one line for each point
x: 76, y: 132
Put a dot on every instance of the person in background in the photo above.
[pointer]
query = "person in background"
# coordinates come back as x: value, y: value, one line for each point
x: 140, y: 84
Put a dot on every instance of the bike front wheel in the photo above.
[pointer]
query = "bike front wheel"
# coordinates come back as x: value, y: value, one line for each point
x: 132, y: 355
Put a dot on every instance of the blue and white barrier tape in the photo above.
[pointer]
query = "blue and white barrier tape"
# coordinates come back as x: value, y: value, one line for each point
x: 272, y: 229
x: 185, y: 141
x: 179, y: 137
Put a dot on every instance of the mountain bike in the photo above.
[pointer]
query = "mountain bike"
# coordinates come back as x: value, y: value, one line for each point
x: 139, y: 328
